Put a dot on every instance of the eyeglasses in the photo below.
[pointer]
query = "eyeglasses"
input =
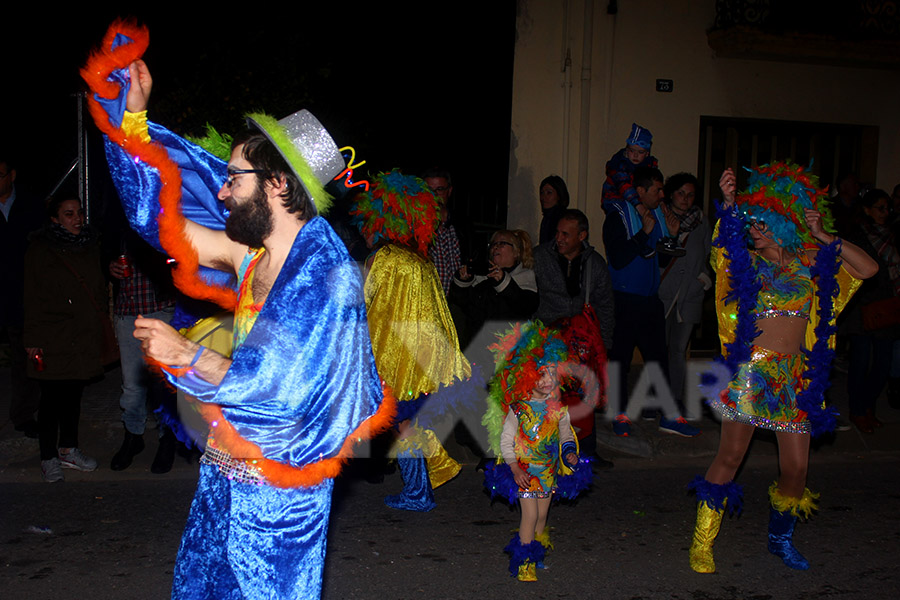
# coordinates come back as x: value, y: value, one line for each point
x: 760, y: 226
x: 232, y: 172
x: 2, y: 175
x: 493, y: 245
x: 440, y: 189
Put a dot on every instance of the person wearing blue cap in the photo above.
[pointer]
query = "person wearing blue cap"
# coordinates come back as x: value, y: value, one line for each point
x: 631, y: 236
x: 619, y: 184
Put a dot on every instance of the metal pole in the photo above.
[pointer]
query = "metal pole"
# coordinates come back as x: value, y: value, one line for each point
x: 62, y: 179
x: 83, y: 158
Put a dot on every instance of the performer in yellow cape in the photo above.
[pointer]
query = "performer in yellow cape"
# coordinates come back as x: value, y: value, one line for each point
x: 413, y: 337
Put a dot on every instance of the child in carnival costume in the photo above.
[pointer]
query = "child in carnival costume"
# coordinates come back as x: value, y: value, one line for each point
x: 530, y: 430
x: 413, y: 336
x: 782, y: 279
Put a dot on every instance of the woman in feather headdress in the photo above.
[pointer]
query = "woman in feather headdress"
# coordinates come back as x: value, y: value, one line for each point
x: 782, y: 278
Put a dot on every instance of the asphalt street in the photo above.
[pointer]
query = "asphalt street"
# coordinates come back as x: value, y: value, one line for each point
x: 115, y: 534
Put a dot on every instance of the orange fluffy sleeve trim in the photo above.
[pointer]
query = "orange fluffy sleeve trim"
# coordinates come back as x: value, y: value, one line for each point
x: 172, y: 236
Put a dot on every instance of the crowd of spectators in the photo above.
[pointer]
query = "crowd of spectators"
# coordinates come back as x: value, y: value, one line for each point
x: 645, y: 290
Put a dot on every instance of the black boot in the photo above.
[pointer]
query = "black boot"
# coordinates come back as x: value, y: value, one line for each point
x: 165, y: 454
x: 131, y: 447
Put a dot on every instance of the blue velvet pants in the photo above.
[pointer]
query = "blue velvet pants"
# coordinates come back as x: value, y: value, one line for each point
x: 245, y: 541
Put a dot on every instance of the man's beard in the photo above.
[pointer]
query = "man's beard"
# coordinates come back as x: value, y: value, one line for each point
x: 250, y: 222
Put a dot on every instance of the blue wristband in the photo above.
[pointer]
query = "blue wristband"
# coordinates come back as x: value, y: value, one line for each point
x: 197, y: 356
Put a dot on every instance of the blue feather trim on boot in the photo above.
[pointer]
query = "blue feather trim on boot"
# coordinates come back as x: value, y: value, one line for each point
x: 726, y: 496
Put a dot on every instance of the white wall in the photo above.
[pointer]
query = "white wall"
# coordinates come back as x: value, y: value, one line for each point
x: 647, y: 40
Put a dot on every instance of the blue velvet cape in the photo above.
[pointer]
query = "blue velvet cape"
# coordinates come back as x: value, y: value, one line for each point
x: 302, y: 381
x: 305, y: 377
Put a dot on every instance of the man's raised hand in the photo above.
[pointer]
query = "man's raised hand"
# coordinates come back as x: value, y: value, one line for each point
x: 141, y: 84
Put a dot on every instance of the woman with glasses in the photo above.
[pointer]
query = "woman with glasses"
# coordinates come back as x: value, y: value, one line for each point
x: 507, y: 292
x: 485, y: 302
x: 871, y: 340
x: 782, y: 278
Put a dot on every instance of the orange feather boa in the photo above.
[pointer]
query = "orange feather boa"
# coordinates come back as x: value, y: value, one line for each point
x: 100, y: 64
x: 173, y: 238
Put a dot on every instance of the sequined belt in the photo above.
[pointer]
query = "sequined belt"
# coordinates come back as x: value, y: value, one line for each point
x: 774, y: 312
x: 539, y: 495
x: 235, y: 469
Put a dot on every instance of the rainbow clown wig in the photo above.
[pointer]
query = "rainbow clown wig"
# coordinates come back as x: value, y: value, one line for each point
x: 519, y: 356
x: 777, y: 194
x: 398, y: 209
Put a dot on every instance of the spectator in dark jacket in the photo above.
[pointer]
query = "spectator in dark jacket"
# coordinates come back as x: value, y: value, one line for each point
x: 871, y: 345
x: 20, y: 214
x: 65, y: 295
x: 570, y: 275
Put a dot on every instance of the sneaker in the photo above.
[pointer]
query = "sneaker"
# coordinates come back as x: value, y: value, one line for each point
x: 862, y: 423
x: 73, y: 458
x: 678, y: 426
x: 622, y: 425
x: 842, y: 425
x: 51, y: 470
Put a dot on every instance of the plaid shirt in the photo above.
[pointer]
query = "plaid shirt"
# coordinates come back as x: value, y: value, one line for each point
x: 445, y: 254
x: 139, y: 296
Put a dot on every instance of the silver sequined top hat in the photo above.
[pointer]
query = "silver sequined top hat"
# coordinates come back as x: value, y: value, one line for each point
x: 308, y: 148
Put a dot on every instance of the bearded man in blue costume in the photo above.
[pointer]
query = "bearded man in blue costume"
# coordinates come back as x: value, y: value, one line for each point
x: 300, y: 386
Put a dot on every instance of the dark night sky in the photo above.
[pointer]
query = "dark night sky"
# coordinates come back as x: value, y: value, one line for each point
x: 406, y: 88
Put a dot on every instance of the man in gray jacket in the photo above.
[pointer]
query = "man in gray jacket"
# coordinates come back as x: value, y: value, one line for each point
x: 570, y: 274
x: 565, y: 267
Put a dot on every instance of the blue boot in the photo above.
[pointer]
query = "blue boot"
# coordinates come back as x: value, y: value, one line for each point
x: 783, y: 516
x: 417, y: 493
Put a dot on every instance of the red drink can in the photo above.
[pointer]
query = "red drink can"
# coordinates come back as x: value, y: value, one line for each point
x: 125, y: 262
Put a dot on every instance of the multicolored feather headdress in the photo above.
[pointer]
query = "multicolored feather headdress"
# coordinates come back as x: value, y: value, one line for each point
x: 777, y: 194
x: 519, y: 356
x: 400, y: 209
